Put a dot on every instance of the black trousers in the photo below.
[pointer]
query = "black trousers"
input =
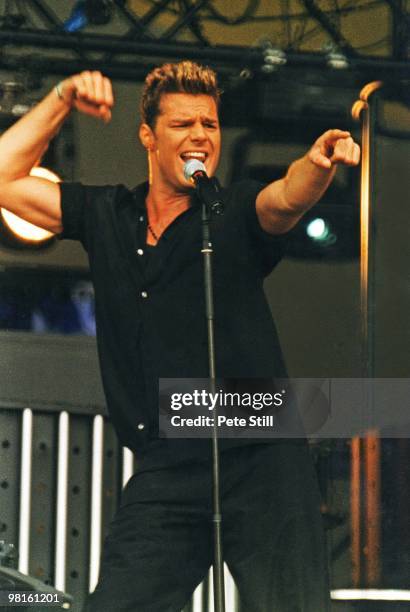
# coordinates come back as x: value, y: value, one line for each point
x: 159, y: 547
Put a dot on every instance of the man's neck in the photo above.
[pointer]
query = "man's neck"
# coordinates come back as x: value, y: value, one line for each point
x: 165, y: 205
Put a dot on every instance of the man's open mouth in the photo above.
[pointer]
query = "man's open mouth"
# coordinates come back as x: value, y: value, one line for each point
x: 199, y: 155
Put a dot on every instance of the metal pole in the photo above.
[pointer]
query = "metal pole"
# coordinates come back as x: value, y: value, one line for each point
x: 25, y: 490
x: 61, y: 514
x: 371, y: 444
x: 355, y: 510
x: 96, y: 500
x: 373, y: 512
x: 218, y: 569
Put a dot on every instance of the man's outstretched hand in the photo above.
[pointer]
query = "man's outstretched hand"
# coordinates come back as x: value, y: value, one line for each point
x: 335, y: 147
x: 90, y: 93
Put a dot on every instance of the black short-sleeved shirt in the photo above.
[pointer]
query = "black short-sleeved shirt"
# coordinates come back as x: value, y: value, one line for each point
x: 150, y: 308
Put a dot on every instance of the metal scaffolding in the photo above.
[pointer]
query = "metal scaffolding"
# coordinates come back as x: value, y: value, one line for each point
x: 124, y: 38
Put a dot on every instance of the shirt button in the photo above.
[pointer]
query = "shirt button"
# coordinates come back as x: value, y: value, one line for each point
x: 141, y: 426
x: 141, y: 218
x: 140, y: 252
x: 144, y: 294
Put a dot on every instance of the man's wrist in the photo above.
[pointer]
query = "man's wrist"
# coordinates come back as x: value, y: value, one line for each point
x: 63, y: 95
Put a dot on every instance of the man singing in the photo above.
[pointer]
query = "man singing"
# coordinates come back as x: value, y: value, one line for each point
x: 144, y: 248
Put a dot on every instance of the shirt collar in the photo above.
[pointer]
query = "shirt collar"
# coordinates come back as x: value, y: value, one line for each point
x: 140, y: 193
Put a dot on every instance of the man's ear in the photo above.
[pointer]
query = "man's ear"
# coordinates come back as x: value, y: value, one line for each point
x: 146, y: 136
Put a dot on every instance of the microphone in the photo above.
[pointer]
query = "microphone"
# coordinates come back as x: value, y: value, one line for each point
x: 206, y: 187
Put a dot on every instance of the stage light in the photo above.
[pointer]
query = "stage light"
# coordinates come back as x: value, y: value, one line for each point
x: 94, y: 12
x: 273, y: 58
x: 23, y: 229
x: 335, y: 57
x: 337, y: 60
x: 317, y: 229
x: 18, y: 233
x: 371, y: 595
x: 77, y: 19
x: 13, y: 101
x: 320, y: 232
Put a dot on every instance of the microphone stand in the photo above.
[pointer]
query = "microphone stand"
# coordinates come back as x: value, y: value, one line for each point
x: 207, y: 251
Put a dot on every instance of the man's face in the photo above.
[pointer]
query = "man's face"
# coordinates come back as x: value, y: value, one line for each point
x: 187, y: 127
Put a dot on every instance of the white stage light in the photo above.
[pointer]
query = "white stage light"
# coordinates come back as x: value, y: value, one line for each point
x: 371, y: 595
x: 22, y: 233
x: 317, y: 229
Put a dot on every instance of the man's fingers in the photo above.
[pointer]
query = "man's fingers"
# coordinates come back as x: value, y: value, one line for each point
x: 100, y: 112
x: 89, y: 86
x: 319, y: 159
x: 98, y: 83
x: 105, y: 113
x: 356, y: 154
x: 93, y: 94
x: 335, y: 147
x: 350, y: 153
x: 89, y: 109
x: 346, y: 151
x: 108, y: 94
x: 79, y: 85
x: 332, y: 136
x: 339, y: 151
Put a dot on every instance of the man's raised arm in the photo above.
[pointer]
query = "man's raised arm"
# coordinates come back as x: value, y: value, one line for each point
x: 282, y: 203
x: 23, y: 144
